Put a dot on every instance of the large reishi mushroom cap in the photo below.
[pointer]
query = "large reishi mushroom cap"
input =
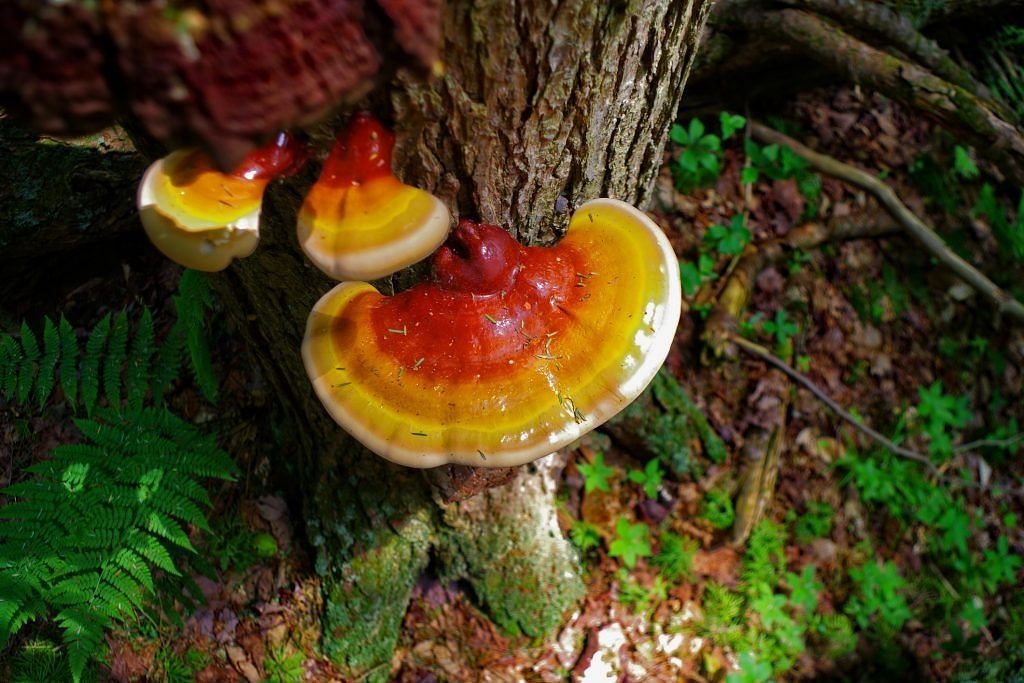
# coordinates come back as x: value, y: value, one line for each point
x: 359, y: 222
x: 202, y: 218
x: 509, y: 352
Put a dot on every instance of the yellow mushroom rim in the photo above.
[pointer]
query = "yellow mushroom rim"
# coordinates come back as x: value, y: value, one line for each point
x: 197, y: 216
x: 510, y: 353
x: 202, y: 218
x: 359, y: 222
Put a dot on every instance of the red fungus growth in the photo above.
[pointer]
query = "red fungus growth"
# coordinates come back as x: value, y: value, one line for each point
x: 222, y: 74
x: 508, y: 352
x: 202, y: 218
x: 360, y: 222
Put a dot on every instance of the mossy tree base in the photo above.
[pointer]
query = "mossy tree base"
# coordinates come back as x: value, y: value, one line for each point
x: 376, y: 534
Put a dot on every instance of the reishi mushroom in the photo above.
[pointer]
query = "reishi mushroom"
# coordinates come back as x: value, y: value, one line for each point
x: 507, y: 353
x: 202, y: 218
x: 359, y: 222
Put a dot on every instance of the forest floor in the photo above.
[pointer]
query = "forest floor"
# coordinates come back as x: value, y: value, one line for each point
x: 884, y: 331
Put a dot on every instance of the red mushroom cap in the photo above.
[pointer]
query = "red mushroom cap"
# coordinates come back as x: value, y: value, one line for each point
x: 359, y: 221
x: 509, y: 352
x: 202, y: 218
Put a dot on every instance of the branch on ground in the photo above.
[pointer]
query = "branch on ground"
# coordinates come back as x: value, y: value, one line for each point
x: 953, y: 106
x: 909, y: 221
x: 899, y: 32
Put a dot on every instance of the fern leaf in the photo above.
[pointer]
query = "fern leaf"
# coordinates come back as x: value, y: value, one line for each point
x: 114, y: 359
x: 28, y: 367
x: 168, y: 362
x: 10, y: 363
x: 48, y: 362
x: 191, y: 302
x: 68, y: 361
x: 165, y: 527
x: 153, y: 550
x: 135, y: 566
x: 82, y: 633
x: 137, y: 371
x: 91, y: 363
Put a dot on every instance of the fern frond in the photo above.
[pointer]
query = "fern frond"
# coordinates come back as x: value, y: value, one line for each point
x: 137, y: 370
x: 168, y: 362
x: 48, y: 362
x: 26, y: 376
x: 68, y: 361
x: 90, y: 378
x: 114, y: 358
x: 191, y: 302
x: 10, y: 365
x: 82, y: 633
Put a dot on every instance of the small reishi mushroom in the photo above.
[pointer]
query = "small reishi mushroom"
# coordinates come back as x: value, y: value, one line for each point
x: 359, y: 222
x: 507, y: 353
x: 202, y: 218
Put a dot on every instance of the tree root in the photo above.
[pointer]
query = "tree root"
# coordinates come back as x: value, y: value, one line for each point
x: 940, y: 89
x: 757, y: 479
x: 899, y: 32
x: 908, y: 220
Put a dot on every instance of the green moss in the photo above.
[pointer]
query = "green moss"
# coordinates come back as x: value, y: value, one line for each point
x: 373, y: 536
x: 665, y: 423
x: 523, y: 572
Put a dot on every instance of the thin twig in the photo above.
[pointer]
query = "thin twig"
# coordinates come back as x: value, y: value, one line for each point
x: 804, y: 381
x: 914, y: 226
x: 819, y: 393
x: 989, y: 443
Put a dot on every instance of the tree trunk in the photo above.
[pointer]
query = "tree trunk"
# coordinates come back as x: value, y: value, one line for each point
x: 543, y: 105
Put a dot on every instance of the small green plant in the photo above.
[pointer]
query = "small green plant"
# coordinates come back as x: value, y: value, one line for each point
x: 42, y: 660
x: 963, y: 165
x: 836, y: 632
x: 232, y: 545
x: 941, y: 413
x: 765, y: 559
x: 694, y: 274
x: 751, y: 670
x: 804, y: 589
x: 631, y: 543
x: 649, y: 478
x: 728, y: 240
x: 282, y: 667
x: 1009, y: 233
x: 172, y: 667
x: 716, y: 508
x: 637, y: 597
x: 816, y: 522
x: 781, y: 163
x: 879, y: 595
x: 585, y: 536
x: 699, y: 163
x: 596, y: 475
x: 783, y: 330
x: 675, y: 556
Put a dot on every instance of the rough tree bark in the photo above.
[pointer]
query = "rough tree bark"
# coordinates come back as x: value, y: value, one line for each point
x: 543, y: 105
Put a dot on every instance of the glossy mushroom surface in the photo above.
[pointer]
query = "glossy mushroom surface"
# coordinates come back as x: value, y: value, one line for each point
x: 508, y: 353
x: 202, y: 218
x: 359, y: 222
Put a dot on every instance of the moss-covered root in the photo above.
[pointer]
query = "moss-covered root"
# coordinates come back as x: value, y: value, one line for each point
x: 665, y: 423
x: 506, y: 543
x: 373, y: 537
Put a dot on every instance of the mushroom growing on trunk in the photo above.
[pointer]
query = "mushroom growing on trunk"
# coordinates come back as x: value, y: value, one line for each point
x: 360, y: 222
x: 202, y: 218
x: 507, y: 353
